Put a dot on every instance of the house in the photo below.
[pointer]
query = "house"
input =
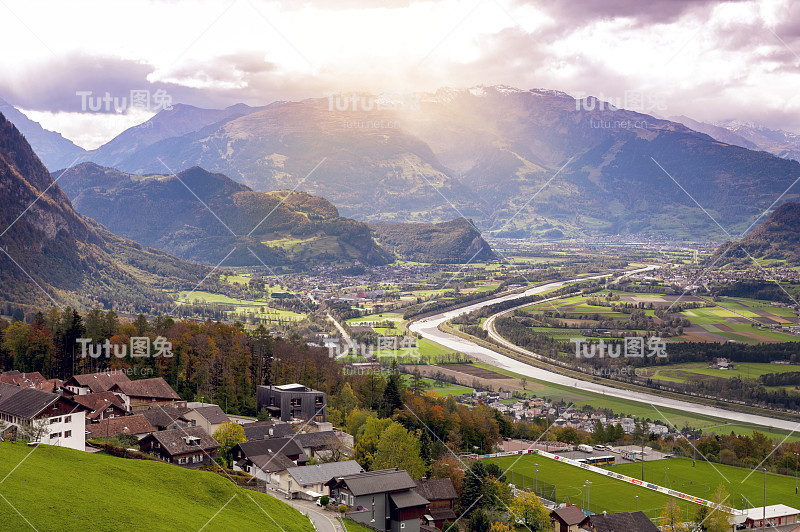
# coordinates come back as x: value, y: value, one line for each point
x: 31, y: 380
x: 568, y: 519
x: 262, y: 430
x: 292, y: 401
x: 144, y: 393
x: 266, y: 459
x: 210, y: 418
x: 94, y: 382
x: 442, y: 495
x: 317, y: 444
x: 190, y: 447
x: 776, y: 514
x: 622, y: 522
x: 137, y: 425
x: 101, y: 405
x: 383, y: 500
x: 309, y: 481
x: 167, y: 417
x: 58, y: 420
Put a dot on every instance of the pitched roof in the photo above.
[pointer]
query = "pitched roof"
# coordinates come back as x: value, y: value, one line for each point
x: 24, y: 402
x: 375, y: 481
x: 437, y: 489
x: 212, y: 413
x: 164, y: 416
x: 571, y: 515
x: 175, y: 442
x: 284, y: 446
x: 156, y: 388
x: 98, y: 382
x: 322, y: 473
x: 99, y: 401
x: 32, y: 380
x: 260, y: 430
x: 272, y: 462
x: 317, y: 440
x: 135, y: 424
x: 440, y: 514
x: 408, y: 499
x: 623, y: 522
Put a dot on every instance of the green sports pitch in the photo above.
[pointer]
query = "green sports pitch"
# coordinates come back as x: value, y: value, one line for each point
x: 607, y: 494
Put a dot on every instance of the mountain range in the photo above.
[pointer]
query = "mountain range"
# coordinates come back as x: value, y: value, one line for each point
x: 53, y: 255
x: 520, y: 163
x: 54, y: 150
x: 200, y: 216
x: 749, y: 135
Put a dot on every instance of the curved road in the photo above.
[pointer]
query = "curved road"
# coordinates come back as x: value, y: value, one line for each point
x: 428, y: 328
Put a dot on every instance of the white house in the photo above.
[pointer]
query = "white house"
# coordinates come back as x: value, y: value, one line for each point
x: 62, y: 420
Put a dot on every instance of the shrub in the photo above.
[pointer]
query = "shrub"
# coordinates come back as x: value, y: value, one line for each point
x: 324, y: 500
x: 342, y: 508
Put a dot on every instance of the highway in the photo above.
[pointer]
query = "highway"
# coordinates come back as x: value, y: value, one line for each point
x: 428, y: 328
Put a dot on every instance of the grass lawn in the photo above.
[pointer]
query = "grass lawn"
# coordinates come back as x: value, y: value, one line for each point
x: 352, y: 526
x: 605, y: 493
x: 702, y: 480
x: 109, y: 493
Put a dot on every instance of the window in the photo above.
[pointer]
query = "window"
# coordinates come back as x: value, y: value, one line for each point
x: 67, y: 419
x: 68, y: 434
x: 296, y: 401
x: 271, y: 401
x: 55, y: 420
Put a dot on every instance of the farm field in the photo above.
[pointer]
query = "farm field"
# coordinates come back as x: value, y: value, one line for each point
x: 206, y: 500
x: 693, y: 371
x: 258, y: 308
x: 733, y: 319
x: 702, y: 480
x: 442, y: 388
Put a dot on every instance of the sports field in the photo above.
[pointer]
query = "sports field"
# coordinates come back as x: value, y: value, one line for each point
x: 744, y: 486
x: 702, y: 480
x: 604, y: 493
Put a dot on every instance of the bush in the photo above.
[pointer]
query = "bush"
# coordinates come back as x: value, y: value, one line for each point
x: 342, y: 508
x: 324, y: 500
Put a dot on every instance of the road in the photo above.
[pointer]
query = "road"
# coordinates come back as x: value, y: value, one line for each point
x: 324, y: 521
x: 428, y: 328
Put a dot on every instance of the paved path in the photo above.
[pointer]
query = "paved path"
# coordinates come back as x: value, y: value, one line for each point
x: 323, y: 520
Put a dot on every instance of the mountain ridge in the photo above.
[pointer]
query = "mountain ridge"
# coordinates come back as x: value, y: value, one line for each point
x: 52, y: 254
x: 198, y: 216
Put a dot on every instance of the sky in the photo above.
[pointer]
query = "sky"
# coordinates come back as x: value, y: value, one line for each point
x: 711, y: 61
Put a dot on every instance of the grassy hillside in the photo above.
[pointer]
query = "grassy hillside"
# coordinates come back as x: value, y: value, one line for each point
x: 62, y: 489
x: 777, y: 238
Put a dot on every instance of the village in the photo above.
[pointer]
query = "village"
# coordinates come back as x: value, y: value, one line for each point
x: 296, y: 454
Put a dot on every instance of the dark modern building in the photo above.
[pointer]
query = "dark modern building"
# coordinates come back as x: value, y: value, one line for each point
x: 293, y: 401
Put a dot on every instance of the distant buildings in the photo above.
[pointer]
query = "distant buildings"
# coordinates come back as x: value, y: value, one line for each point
x: 293, y: 401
